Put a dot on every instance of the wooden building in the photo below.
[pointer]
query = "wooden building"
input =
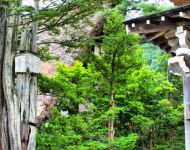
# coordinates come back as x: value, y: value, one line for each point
x: 170, y: 30
x: 160, y: 28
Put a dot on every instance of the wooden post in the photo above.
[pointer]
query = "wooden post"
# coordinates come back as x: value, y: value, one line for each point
x: 18, y: 81
x: 186, y: 91
x: 33, y: 85
x: 11, y: 117
x: 180, y: 65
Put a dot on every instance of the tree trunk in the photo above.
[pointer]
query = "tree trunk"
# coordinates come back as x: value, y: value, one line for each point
x: 112, y: 105
x: 11, y: 116
x: 141, y: 139
x: 18, y: 91
x: 151, y: 138
x: 2, y: 44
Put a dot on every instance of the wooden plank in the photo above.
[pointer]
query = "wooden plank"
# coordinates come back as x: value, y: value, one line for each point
x: 27, y: 63
x: 23, y: 90
x: 170, y: 34
x: 33, y: 112
x: 154, y: 36
x: 184, y: 15
x: 173, y: 42
x: 152, y: 29
x: 33, y: 87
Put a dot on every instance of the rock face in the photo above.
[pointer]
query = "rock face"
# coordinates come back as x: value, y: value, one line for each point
x: 66, y: 55
x: 48, y: 68
x: 45, y: 102
x: 56, y: 49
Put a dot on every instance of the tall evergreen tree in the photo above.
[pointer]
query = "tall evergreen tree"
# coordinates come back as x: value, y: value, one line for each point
x: 120, y: 53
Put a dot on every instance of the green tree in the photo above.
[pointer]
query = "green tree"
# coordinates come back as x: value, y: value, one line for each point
x: 149, y: 8
x: 120, y: 56
x: 85, y: 130
x: 126, y: 88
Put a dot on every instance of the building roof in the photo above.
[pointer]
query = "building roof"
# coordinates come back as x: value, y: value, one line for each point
x: 180, y: 2
x: 160, y: 27
x: 167, y: 13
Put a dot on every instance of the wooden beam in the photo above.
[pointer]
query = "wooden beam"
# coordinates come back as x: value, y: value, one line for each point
x: 170, y: 34
x: 173, y: 42
x: 152, y: 28
x: 185, y: 24
x: 184, y: 15
x: 183, y: 36
x: 179, y: 65
x: 154, y: 36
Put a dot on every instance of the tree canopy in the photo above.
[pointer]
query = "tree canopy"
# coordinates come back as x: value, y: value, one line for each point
x: 130, y: 100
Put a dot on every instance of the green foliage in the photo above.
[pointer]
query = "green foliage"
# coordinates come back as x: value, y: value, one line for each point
x: 145, y: 101
x: 79, y: 131
x: 123, y: 143
x: 121, y: 52
x: 67, y: 14
x: 148, y: 8
x: 139, y: 107
x: 44, y: 53
x: 170, y: 114
x: 174, y: 143
x: 156, y: 58
x: 142, y: 121
x: 45, y: 83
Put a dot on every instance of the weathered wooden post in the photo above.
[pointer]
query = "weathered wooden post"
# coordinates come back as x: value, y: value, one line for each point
x: 26, y: 67
x: 18, y: 86
x: 180, y: 65
x: 186, y: 89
